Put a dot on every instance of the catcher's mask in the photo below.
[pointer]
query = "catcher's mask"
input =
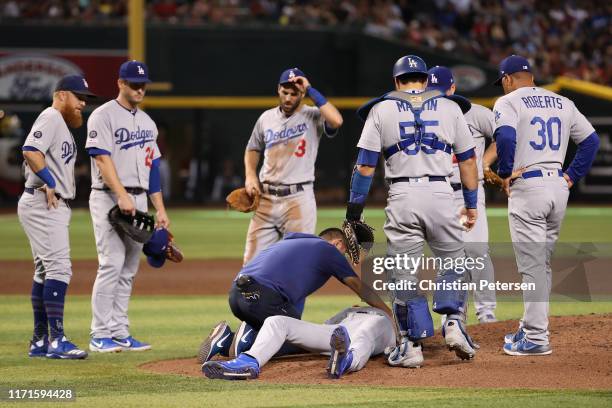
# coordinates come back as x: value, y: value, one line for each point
x: 155, y: 248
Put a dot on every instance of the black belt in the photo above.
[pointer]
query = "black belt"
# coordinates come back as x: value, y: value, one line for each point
x: 30, y: 190
x: 131, y: 190
x: 284, y: 190
x: 456, y: 186
x: 409, y: 179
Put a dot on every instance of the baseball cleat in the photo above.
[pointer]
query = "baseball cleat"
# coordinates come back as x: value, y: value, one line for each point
x: 407, y: 354
x: 38, y: 348
x: 131, y: 344
x: 217, y: 342
x: 458, y: 340
x: 514, y: 337
x: 341, y: 356
x: 243, y: 367
x: 104, y: 345
x: 62, y: 348
x: 486, y: 317
x: 243, y: 340
x: 524, y: 347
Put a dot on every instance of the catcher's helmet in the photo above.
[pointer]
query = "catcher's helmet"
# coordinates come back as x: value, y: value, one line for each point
x: 410, y: 64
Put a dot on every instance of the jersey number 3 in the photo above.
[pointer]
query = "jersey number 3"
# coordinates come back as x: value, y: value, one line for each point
x: 301, y: 148
x: 547, y: 131
x: 149, y: 156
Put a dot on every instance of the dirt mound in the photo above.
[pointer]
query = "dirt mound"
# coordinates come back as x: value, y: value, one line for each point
x: 582, y: 352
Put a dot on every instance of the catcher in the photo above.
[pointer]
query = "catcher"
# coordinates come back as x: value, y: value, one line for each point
x: 263, y: 288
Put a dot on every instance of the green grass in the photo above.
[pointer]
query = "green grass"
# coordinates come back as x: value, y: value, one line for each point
x: 109, y: 380
x: 205, y: 234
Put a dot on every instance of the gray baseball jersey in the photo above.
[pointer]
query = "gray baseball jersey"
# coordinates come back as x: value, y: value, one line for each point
x: 544, y: 123
x: 290, y: 144
x: 391, y: 121
x: 131, y: 139
x: 51, y: 136
x: 481, y: 123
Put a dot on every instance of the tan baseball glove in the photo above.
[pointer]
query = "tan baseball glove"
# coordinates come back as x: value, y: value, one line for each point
x: 173, y: 252
x: 492, y: 178
x: 239, y: 200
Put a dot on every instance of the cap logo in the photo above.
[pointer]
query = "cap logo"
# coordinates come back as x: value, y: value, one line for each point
x: 140, y: 70
x: 412, y: 63
x: 434, y: 79
x: 525, y: 67
x: 291, y: 74
x: 85, y: 83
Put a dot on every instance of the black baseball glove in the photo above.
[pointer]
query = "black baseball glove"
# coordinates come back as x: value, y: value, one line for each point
x: 139, y: 227
x: 359, y: 236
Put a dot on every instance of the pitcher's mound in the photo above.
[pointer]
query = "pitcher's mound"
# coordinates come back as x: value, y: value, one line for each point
x: 581, y: 359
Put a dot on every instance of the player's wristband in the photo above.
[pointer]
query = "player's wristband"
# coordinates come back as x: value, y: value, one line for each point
x: 316, y: 96
x: 353, y: 211
x: 470, y: 198
x: 46, y: 176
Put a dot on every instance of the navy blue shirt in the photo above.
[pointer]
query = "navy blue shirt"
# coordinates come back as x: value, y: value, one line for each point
x: 297, y: 266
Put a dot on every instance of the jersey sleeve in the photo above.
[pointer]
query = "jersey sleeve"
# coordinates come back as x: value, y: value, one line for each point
x: 580, y: 128
x: 486, y: 121
x: 339, y: 265
x: 322, y: 127
x: 256, y: 141
x: 156, y: 151
x: 99, y: 134
x: 42, y: 135
x: 505, y: 114
x: 371, y: 135
x: 463, y: 137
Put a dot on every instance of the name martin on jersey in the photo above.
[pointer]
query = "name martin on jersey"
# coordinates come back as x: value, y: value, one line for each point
x: 128, y: 139
x: 272, y: 138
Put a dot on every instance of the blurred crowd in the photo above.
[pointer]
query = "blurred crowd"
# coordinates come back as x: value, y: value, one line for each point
x: 571, y: 37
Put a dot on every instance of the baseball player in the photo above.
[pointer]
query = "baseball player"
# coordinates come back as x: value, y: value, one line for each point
x: 288, y: 136
x: 263, y: 288
x: 353, y: 335
x: 481, y: 123
x: 50, y: 153
x: 121, y: 141
x: 417, y: 130
x: 533, y: 129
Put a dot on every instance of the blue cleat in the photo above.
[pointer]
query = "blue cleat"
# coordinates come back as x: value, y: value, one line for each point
x: 524, y: 347
x: 38, y: 348
x: 514, y: 337
x: 243, y: 340
x: 64, y: 349
x: 131, y: 344
x: 104, y: 345
x: 341, y: 356
x: 217, y: 342
x: 242, y: 367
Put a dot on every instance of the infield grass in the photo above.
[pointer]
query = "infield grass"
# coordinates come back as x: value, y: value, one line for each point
x: 206, y: 234
x: 116, y: 380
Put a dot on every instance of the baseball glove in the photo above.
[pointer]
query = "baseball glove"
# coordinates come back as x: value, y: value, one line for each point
x: 359, y: 236
x: 139, y: 227
x: 241, y: 201
x: 173, y: 252
x: 492, y: 178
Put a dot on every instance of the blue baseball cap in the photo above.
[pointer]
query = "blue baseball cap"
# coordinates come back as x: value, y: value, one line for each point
x: 440, y: 78
x: 288, y: 74
x: 75, y: 84
x: 155, y: 248
x: 510, y: 65
x: 134, y: 71
x: 410, y: 64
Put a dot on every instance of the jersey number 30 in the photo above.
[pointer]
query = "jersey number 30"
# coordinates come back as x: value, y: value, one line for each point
x: 550, y: 129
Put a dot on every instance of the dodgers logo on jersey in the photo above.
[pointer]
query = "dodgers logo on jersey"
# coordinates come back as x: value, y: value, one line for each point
x: 128, y: 139
x: 68, y: 151
x: 497, y: 115
x: 272, y: 138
